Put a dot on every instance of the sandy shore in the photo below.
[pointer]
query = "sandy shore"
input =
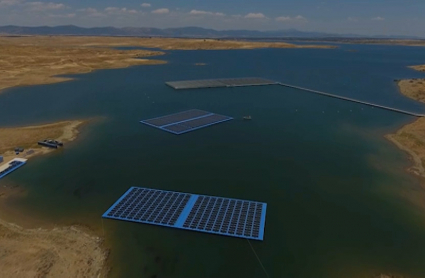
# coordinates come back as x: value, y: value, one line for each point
x: 28, y: 62
x: 57, y: 253
x: 411, y: 138
x: 404, y: 42
x: 49, y: 252
x: 39, y: 60
x: 27, y: 138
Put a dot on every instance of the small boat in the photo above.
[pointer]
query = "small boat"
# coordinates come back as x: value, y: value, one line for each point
x: 247, y: 118
x: 50, y: 143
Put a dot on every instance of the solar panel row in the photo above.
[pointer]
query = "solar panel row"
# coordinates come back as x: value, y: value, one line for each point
x: 150, y: 206
x: 177, y: 117
x: 214, y: 83
x: 230, y: 217
x: 11, y: 166
x: 227, y: 216
x: 186, y: 121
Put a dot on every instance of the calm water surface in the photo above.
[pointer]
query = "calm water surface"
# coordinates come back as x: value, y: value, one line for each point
x: 339, y: 200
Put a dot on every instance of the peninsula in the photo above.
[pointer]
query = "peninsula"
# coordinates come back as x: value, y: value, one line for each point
x: 411, y: 138
x: 35, y: 60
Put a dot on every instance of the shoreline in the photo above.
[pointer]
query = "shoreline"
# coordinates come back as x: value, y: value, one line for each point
x: 42, y: 249
x: 411, y: 137
x: 40, y: 60
x: 70, y: 251
x: 65, y: 131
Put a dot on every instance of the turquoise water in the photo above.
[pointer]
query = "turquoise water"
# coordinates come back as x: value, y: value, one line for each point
x: 338, y: 197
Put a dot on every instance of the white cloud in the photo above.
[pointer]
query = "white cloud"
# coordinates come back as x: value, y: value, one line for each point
x: 92, y: 12
x: 161, y: 11
x: 297, y: 18
x: 71, y: 15
x: 146, y: 5
x: 88, y: 10
x: 255, y: 15
x: 378, y: 18
x: 115, y: 10
x: 43, y: 6
x: 112, y: 9
x: 197, y: 12
x: 10, y: 2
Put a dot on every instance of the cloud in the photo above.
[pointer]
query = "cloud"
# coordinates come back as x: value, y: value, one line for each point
x: 197, y: 12
x: 88, y: 10
x: 352, y: 19
x: 10, y: 2
x: 115, y: 10
x: 146, y: 5
x: 378, y: 18
x: 92, y: 12
x: 71, y: 15
x: 298, y: 18
x: 43, y: 6
x: 255, y: 15
x: 161, y: 11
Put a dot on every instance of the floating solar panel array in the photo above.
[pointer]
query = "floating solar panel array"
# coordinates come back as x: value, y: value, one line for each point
x: 186, y: 121
x: 208, y: 214
x: 11, y: 166
x: 216, y: 83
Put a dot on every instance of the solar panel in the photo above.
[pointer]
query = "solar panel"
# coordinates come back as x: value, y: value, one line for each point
x: 186, y: 121
x: 11, y: 166
x: 214, y: 83
x: 201, y: 213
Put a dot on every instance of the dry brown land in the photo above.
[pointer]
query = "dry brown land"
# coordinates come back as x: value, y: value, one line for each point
x: 413, y: 88
x: 27, y: 137
x: 54, y: 252
x: 411, y: 138
x: 33, y: 62
x: 38, y: 60
x: 391, y: 42
x: 161, y: 43
x: 405, y: 42
x: 57, y: 253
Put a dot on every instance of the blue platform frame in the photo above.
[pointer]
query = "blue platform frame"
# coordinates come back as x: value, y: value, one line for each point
x: 186, y: 211
x: 13, y: 169
x: 187, y: 120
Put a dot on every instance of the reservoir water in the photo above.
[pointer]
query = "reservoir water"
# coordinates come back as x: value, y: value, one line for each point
x: 340, y: 203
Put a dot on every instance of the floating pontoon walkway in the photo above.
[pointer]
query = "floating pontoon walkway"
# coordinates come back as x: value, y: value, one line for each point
x: 217, y: 83
x: 186, y: 121
x: 354, y: 100
x: 11, y: 166
x: 245, y: 82
x: 200, y: 213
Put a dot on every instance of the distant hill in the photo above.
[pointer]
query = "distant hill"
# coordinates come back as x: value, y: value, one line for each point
x: 195, y: 32
x: 155, y: 32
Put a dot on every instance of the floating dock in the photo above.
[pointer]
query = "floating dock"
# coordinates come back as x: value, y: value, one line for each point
x: 246, y: 82
x: 200, y: 213
x: 186, y: 121
x: 11, y: 166
x: 217, y: 83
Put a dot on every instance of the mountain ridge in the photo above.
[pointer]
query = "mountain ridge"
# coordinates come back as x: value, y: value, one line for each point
x: 190, y: 31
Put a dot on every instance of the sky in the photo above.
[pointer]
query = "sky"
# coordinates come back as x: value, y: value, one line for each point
x: 363, y: 17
